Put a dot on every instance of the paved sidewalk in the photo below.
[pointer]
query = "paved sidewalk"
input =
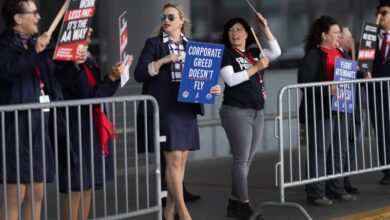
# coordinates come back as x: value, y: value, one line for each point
x: 211, y: 179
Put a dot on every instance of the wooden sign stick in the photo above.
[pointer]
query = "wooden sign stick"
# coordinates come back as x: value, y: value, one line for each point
x: 257, y: 40
x: 250, y: 5
x: 353, y: 51
x: 58, y: 18
x: 378, y: 18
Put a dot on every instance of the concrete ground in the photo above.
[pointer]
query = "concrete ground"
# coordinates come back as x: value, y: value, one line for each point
x: 211, y: 180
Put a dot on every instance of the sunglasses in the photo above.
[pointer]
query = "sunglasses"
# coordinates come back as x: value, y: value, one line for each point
x: 383, y: 13
x: 170, y: 17
x: 35, y: 12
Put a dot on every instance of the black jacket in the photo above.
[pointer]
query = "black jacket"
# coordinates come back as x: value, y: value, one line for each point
x: 312, y: 68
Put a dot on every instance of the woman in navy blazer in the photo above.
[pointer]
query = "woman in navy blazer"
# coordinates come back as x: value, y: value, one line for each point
x: 87, y: 83
x: 159, y: 69
x: 26, y: 76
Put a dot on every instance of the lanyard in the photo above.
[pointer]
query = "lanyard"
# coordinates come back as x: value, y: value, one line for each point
x: 41, y: 83
x: 252, y: 61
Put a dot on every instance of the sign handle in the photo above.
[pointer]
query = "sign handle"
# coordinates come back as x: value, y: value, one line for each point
x: 257, y: 40
x: 58, y: 18
x: 353, y: 51
x: 378, y: 18
x: 250, y: 5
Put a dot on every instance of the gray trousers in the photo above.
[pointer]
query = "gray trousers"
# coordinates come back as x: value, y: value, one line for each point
x: 244, y: 129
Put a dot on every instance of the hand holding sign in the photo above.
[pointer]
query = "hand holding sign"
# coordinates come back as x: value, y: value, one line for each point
x: 82, y: 55
x: 263, y: 23
x: 262, y: 63
x: 119, y: 68
x: 42, y: 42
x: 217, y: 90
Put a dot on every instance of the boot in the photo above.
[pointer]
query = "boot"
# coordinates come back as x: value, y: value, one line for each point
x: 245, y: 211
x: 232, y: 208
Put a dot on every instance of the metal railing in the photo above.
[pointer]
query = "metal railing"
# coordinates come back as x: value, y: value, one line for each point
x: 323, y: 144
x: 43, y: 144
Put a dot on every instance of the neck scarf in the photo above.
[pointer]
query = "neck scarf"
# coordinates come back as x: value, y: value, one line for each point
x: 23, y: 37
x: 104, y: 127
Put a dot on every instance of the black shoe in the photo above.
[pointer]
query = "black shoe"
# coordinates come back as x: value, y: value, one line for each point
x: 245, y: 211
x: 189, y: 197
x: 352, y: 190
x: 385, y: 180
x: 232, y: 208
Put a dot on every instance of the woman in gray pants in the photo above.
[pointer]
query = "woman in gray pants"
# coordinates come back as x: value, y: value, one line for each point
x: 241, y: 113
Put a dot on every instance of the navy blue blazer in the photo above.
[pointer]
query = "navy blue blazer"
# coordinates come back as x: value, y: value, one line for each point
x: 161, y: 86
x: 20, y: 84
x: 381, y: 67
x: 79, y: 88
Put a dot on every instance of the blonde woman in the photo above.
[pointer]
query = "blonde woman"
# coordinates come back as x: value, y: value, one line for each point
x: 159, y: 68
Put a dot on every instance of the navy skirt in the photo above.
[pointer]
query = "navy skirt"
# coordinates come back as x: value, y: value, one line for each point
x: 40, y: 151
x: 181, y: 131
x: 88, y: 167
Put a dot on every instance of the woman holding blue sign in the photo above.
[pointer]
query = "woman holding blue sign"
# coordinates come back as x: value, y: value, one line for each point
x: 159, y: 68
x: 241, y: 113
x: 323, y: 125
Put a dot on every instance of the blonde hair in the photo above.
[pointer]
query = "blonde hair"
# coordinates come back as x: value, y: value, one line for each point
x: 186, y: 25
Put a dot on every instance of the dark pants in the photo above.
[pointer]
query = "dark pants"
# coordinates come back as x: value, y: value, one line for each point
x: 327, y: 150
x: 381, y: 122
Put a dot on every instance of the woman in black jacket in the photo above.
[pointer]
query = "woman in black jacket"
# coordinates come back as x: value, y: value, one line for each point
x: 26, y: 76
x: 315, y: 110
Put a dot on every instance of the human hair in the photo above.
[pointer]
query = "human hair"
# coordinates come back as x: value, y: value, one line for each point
x: 10, y: 8
x: 225, y: 34
x: 319, y: 26
x: 186, y: 25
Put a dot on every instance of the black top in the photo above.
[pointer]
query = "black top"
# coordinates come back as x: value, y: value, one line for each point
x: 248, y: 94
x: 312, y: 68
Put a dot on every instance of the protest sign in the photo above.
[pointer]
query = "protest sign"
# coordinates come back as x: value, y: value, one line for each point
x: 74, y: 29
x: 200, y: 73
x: 344, y: 100
x: 123, y: 40
x: 366, y: 53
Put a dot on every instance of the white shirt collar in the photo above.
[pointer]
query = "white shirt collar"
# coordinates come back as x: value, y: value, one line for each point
x: 166, y: 38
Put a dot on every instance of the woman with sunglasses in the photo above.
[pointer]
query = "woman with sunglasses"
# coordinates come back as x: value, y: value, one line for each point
x: 159, y: 69
x: 241, y: 113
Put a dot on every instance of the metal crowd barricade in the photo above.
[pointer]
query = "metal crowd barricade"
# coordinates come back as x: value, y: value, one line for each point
x: 362, y: 144
x: 135, y: 187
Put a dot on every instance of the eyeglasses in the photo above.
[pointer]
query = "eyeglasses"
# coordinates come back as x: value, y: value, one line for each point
x: 35, y: 12
x: 383, y: 13
x: 170, y: 17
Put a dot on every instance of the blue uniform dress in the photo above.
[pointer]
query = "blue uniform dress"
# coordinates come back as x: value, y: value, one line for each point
x: 90, y: 152
x: 20, y: 83
x: 178, y: 120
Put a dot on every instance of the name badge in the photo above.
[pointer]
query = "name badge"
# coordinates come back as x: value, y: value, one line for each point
x: 44, y: 99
